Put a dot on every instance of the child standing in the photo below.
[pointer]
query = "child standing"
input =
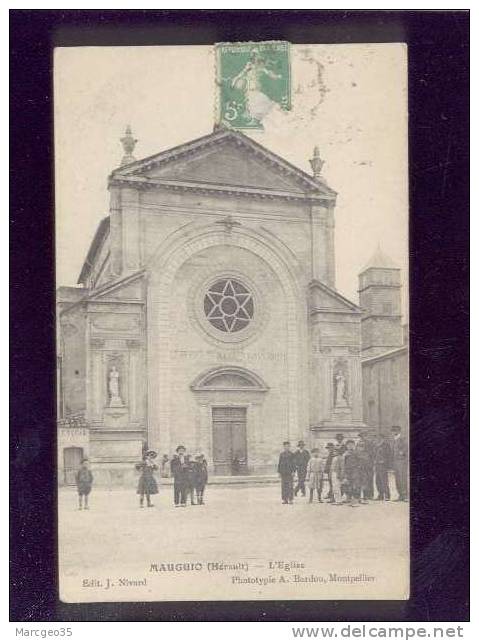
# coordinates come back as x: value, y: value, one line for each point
x: 147, y: 484
x: 314, y: 474
x: 84, y: 481
x: 165, y: 467
x: 190, y: 470
x: 200, y: 477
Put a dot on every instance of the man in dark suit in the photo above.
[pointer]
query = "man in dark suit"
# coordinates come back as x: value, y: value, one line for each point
x: 301, y: 458
x: 286, y: 468
x: 382, y: 464
x: 399, y: 455
x: 368, y: 443
x: 352, y: 474
x: 179, y: 472
x: 340, y: 444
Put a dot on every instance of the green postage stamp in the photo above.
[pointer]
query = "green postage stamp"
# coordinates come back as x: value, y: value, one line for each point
x: 252, y: 78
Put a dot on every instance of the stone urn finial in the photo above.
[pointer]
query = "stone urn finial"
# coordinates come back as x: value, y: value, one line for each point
x: 128, y: 143
x: 316, y: 162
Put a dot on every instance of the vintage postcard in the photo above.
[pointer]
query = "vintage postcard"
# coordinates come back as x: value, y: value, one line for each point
x: 232, y: 314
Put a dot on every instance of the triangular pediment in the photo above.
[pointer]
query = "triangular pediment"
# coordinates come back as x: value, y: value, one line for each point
x: 226, y: 164
x: 324, y: 299
x: 224, y: 158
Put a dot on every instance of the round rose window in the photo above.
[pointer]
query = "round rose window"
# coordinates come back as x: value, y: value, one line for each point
x: 229, y: 305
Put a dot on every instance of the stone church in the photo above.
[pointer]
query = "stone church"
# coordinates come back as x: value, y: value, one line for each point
x: 207, y: 314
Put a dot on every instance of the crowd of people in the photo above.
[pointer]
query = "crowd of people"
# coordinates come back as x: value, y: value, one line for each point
x: 353, y: 472
x: 345, y: 472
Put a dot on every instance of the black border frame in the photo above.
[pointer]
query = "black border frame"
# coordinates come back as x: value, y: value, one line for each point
x: 438, y: 51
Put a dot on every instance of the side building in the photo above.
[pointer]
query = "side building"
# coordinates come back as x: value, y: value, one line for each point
x: 385, y: 348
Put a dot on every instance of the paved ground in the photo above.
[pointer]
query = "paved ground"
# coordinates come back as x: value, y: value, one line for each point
x: 107, y: 552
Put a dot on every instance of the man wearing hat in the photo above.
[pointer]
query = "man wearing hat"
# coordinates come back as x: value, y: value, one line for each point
x: 340, y: 445
x: 286, y: 468
x: 301, y: 458
x: 399, y: 456
x: 179, y: 471
x: 367, y: 443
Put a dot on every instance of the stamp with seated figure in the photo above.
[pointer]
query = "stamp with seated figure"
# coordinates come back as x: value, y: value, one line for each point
x: 253, y: 78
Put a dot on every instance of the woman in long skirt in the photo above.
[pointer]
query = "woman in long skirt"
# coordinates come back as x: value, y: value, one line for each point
x: 147, y: 484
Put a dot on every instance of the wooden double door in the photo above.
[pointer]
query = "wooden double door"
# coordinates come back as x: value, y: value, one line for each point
x: 229, y: 441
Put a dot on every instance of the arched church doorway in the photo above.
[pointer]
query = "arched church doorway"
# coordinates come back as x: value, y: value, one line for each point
x: 231, y: 395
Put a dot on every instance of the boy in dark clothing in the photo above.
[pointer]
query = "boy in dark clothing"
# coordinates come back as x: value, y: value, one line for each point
x: 165, y: 467
x: 84, y: 481
x: 382, y: 463
x: 286, y: 468
x: 190, y: 480
x: 200, y: 477
x: 352, y: 474
x: 179, y: 472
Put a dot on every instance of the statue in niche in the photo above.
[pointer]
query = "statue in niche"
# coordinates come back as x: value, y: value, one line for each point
x: 340, y: 395
x: 114, y: 387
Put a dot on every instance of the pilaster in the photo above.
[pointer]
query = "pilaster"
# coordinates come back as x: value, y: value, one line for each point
x: 116, y: 243
x: 130, y: 211
x: 322, y: 243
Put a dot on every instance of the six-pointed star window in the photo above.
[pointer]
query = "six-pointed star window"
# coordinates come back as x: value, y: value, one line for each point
x: 228, y: 305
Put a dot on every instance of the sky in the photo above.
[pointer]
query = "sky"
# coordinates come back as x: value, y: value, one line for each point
x: 350, y: 100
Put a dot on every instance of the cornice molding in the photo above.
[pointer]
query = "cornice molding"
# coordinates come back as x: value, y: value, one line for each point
x: 143, y: 183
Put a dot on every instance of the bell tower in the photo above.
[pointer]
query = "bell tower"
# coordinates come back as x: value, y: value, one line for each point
x: 380, y: 301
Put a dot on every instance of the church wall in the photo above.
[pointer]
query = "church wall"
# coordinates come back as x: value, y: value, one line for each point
x: 193, y: 351
x: 379, y: 276
x: 72, y: 334
x: 100, y: 272
x: 115, y: 336
x: 264, y: 354
x: 380, y: 334
x: 336, y: 349
x: 386, y: 390
x: 381, y: 300
x: 162, y: 212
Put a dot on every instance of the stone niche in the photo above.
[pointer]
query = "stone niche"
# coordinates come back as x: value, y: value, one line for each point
x: 116, y: 367
x: 341, y: 391
x: 336, y: 395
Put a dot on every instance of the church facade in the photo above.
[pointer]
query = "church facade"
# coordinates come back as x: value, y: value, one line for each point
x: 207, y: 314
